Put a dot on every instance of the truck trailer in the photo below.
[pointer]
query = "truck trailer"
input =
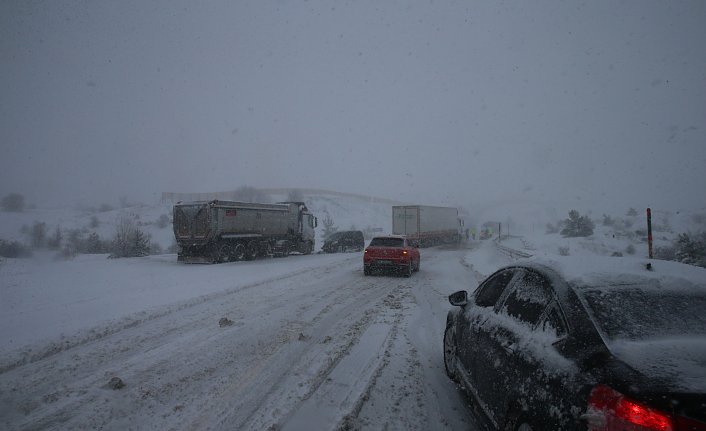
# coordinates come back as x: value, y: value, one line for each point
x: 223, y: 231
x: 426, y: 226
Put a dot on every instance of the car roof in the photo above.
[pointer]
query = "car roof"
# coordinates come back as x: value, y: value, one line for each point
x: 598, y: 271
x: 345, y: 234
x: 390, y: 236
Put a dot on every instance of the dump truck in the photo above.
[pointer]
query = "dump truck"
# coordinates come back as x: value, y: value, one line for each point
x: 220, y: 231
x: 426, y: 226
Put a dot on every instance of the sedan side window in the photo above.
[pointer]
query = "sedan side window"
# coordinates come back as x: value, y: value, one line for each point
x: 490, y: 291
x: 554, y: 322
x: 530, y: 297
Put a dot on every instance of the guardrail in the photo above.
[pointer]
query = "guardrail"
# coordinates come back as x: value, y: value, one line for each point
x: 511, y: 252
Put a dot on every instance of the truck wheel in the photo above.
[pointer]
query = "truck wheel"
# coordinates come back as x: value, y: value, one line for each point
x: 266, y: 250
x: 408, y: 270
x: 251, y: 251
x: 239, y: 252
x: 224, y: 253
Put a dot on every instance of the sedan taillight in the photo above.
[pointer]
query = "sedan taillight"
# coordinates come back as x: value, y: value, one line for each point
x: 609, y: 410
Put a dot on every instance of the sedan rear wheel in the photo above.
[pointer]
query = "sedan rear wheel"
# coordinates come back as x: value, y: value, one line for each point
x: 450, y: 352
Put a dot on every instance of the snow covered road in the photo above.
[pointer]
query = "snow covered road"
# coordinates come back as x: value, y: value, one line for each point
x: 306, y: 342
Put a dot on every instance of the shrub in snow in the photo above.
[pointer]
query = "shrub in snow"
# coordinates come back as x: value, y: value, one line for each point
x: 14, y: 202
x: 563, y: 251
x: 13, y: 249
x: 577, y: 225
x: 632, y: 212
x: 94, y: 244
x: 691, y: 249
x: 129, y: 240
x: 630, y: 249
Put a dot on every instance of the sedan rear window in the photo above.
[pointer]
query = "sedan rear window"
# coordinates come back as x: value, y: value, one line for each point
x: 387, y: 242
x: 635, y: 314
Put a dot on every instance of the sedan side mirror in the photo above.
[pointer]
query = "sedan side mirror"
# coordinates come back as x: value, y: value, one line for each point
x: 459, y: 298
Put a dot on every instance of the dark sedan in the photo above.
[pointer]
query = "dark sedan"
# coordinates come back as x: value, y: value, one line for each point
x: 586, y: 344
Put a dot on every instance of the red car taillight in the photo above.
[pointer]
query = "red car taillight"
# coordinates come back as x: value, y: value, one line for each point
x: 609, y: 410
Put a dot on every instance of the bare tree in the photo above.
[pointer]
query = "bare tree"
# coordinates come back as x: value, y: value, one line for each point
x: 54, y: 242
x: 329, y: 225
x: 38, y: 234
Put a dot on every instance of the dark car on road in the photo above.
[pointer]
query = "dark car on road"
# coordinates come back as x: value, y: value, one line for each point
x: 576, y: 344
x: 348, y: 240
x: 392, y: 252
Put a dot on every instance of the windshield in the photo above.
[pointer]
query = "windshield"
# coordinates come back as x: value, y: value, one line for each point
x: 636, y: 314
x: 387, y: 242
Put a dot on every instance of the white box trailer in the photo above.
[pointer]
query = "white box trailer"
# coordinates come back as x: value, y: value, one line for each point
x: 427, y: 226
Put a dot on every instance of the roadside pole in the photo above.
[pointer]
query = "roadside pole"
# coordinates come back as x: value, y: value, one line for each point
x: 649, y: 232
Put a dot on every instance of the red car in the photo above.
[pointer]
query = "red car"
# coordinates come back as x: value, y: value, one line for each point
x: 391, y: 252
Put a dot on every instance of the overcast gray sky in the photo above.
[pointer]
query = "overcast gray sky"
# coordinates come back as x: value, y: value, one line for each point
x: 596, y: 103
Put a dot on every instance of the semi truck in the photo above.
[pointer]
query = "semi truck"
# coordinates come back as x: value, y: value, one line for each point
x: 426, y: 226
x: 220, y: 231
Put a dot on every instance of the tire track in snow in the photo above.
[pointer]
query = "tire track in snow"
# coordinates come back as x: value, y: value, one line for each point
x: 138, y: 354
x: 303, y: 380
x: 34, y: 353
